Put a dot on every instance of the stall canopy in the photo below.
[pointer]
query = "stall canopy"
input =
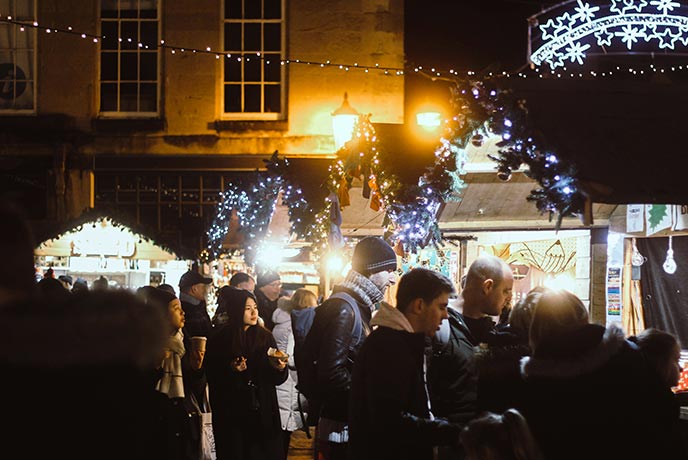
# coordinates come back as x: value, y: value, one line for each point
x: 105, y: 237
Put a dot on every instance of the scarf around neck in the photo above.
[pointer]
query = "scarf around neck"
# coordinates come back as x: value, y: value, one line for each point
x: 362, y: 287
x: 171, y: 382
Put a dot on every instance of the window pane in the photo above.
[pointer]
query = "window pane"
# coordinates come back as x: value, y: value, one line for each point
x: 129, y: 66
x: 109, y: 31
x: 108, y: 66
x: 272, y: 67
x: 190, y: 181
x: 149, y: 66
x: 148, y: 216
x: 149, y: 97
x: 233, y: 9
x: 128, y: 9
x: 232, y: 98
x: 272, y: 9
x: 108, y: 97
x: 130, y: 35
x: 232, y: 69
x: 272, y: 98
x: 108, y: 8
x: 233, y: 37
x: 149, y: 9
x: 149, y: 34
x: 252, y: 69
x: 169, y: 216
x: 252, y: 94
x: 252, y: 9
x: 252, y: 37
x: 169, y: 188
x: 273, y: 40
x: 128, y: 97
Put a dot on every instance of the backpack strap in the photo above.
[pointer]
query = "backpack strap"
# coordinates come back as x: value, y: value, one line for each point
x: 357, y: 330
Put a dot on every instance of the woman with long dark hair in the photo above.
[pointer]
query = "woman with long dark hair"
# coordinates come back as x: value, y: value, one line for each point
x: 242, y: 379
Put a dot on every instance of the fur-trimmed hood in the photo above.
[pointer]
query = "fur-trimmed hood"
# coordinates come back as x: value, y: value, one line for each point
x: 595, y: 345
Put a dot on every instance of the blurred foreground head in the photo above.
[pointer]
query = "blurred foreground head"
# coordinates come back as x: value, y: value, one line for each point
x: 17, y: 273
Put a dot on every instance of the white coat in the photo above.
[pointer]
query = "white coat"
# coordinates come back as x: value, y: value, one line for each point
x: 287, y: 394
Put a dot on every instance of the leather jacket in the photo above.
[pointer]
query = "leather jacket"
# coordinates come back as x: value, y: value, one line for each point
x: 334, y: 322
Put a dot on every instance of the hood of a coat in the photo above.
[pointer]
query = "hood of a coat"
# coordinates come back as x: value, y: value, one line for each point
x: 391, y: 317
x: 606, y: 343
x: 282, y: 313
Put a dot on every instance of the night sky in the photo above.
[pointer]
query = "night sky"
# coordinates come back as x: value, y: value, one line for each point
x: 469, y: 34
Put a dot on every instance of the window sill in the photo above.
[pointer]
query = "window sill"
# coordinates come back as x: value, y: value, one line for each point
x: 128, y: 125
x: 246, y: 125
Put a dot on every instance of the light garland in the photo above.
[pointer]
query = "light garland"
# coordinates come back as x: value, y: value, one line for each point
x: 566, y: 36
x: 428, y: 72
x: 254, y: 206
x: 484, y: 109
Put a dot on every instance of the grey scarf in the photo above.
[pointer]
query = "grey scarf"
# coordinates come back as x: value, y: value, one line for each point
x: 363, y: 287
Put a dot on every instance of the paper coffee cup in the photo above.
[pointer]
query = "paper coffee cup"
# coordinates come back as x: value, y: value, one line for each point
x: 198, y: 343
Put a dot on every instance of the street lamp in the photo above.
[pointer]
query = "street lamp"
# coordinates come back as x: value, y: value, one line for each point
x: 343, y: 121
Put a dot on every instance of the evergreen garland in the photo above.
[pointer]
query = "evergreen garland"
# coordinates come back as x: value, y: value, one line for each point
x: 483, y: 108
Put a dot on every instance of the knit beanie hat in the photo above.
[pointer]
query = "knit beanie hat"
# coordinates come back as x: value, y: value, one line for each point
x: 266, y: 278
x: 372, y: 255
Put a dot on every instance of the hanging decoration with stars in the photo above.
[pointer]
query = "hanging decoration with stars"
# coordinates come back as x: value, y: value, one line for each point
x: 485, y: 109
x: 570, y: 30
x: 254, y: 206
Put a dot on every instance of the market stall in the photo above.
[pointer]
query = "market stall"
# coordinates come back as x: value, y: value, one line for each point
x: 104, y: 247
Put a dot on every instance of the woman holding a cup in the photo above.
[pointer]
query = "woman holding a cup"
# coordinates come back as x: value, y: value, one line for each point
x: 182, y: 377
x: 241, y: 379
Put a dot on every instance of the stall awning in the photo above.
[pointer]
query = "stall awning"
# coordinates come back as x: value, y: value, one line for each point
x: 103, y: 237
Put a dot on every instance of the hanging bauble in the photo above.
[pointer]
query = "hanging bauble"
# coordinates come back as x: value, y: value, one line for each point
x: 669, y: 264
x: 477, y: 140
x: 637, y: 259
x: 504, y: 174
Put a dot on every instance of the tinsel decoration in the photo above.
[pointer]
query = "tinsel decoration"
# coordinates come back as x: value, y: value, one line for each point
x: 483, y: 109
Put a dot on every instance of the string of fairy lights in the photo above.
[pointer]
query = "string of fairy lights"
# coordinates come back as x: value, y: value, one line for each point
x: 483, y: 108
x: 432, y: 72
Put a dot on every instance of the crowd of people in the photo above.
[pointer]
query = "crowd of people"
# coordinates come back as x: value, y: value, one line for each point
x: 105, y: 373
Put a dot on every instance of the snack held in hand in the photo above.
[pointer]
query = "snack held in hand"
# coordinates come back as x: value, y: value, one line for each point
x: 278, y: 354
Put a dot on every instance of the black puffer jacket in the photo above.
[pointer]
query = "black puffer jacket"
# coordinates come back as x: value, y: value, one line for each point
x: 332, y: 329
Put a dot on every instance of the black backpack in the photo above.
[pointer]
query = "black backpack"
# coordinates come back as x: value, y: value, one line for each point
x: 306, y: 358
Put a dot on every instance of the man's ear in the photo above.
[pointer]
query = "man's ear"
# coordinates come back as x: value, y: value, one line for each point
x: 487, y: 285
x: 417, y: 306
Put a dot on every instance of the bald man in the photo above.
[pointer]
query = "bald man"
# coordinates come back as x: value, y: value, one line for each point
x: 452, y: 379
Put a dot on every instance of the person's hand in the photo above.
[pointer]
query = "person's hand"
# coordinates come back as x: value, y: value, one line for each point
x: 278, y: 363
x: 196, y: 359
x: 239, y: 364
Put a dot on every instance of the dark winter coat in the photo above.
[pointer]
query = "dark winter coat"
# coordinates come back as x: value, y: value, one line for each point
x: 266, y: 308
x: 389, y: 414
x: 246, y: 419
x: 197, y: 319
x: 452, y: 377
x: 78, y: 378
x: 500, y: 385
x: 332, y: 328
x: 589, y: 394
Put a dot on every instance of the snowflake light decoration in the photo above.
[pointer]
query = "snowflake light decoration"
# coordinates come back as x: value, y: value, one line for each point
x: 571, y: 29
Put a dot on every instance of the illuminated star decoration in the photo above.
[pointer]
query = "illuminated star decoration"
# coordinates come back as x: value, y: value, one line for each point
x: 571, y: 34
